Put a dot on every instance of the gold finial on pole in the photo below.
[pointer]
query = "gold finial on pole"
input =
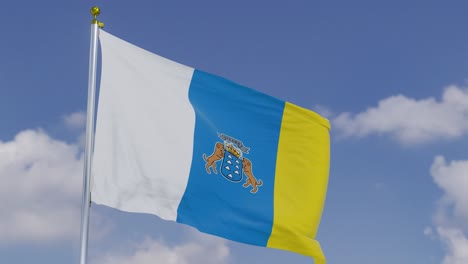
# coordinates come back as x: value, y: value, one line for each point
x: 95, y: 11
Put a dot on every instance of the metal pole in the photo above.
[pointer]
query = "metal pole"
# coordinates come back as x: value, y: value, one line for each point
x: 86, y: 203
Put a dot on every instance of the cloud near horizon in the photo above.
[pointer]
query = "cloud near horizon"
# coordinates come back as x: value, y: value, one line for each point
x: 41, y: 188
x: 451, y: 216
x: 200, y: 249
x: 411, y: 121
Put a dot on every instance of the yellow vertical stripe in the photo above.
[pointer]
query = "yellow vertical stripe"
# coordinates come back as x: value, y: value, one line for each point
x: 301, y: 180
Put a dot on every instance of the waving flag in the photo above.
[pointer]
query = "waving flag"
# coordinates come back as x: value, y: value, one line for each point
x: 198, y: 149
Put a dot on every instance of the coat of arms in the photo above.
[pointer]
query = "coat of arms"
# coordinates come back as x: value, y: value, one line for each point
x: 234, y: 165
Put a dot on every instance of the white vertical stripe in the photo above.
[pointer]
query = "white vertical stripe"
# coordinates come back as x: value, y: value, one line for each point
x: 144, y: 132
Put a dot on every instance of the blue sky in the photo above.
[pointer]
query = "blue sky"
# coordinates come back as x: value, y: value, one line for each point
x: 391, y: 77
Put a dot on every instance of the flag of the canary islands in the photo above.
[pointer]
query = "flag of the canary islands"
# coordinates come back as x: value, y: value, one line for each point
x: 201, y: 150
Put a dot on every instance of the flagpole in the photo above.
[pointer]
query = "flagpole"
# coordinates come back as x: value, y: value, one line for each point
x: 86, y: 203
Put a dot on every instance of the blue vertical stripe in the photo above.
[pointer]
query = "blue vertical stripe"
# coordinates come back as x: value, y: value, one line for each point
x: 212, y: 203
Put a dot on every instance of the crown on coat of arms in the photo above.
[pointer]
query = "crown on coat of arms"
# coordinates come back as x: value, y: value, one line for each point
x: 236, y: 152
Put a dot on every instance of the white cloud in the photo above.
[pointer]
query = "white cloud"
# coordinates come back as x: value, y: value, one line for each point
x: 456, y: 244
x: 203, y: 249
x: 75, y: 120
x: 452, y: 178
x: 451, y: 216
x: 409, y: 120
x: 40, y: 188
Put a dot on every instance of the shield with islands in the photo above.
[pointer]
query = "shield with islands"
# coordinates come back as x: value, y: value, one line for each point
x: 231, y: 168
